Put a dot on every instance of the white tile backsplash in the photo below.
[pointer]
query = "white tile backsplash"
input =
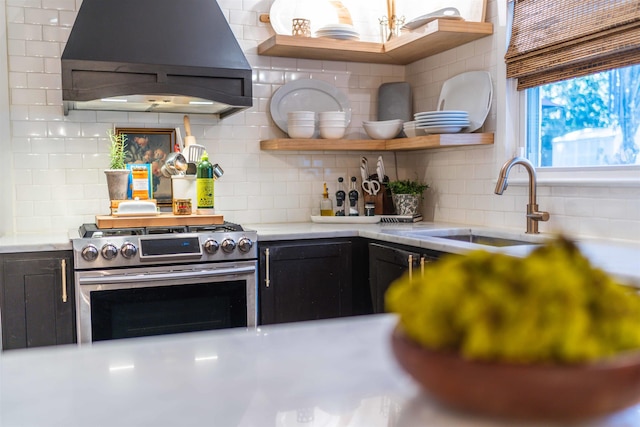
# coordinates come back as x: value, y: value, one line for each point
x: 58, y: 161
x: 40, y: 16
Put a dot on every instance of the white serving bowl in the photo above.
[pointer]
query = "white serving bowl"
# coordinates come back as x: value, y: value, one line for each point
x: 332, y: 132
x: 385, y: 129
x: 301, y: 131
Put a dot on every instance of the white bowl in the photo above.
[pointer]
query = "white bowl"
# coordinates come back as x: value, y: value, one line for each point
x: 332, y: 115
x: 333, y: 123
x: 301, y: 131
x: 301, y: 122
x: 301, y: 125
x: 301, y: 115
x: 385, y: 129
x: 332, y: 132
x: 383, y: 122
x: 413, y: 132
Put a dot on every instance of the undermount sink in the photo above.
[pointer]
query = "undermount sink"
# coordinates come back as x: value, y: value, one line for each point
x: 485, y: 238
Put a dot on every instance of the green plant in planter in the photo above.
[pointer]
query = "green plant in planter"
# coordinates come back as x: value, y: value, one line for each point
x: 116, y: 151
x: 406, y: 196
x: 408, y: 186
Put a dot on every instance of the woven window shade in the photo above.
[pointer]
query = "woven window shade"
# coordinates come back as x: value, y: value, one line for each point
x: 553, y: 40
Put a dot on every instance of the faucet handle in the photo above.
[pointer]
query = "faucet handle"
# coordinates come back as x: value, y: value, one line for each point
x: 539, y: 216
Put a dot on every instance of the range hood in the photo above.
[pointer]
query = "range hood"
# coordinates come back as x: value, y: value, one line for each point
x: 177, y: 56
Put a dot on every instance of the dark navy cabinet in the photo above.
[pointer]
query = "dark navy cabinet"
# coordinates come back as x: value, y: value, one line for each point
x: 37, y: 299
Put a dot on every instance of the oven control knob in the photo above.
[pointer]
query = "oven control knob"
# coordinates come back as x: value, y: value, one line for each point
x: 244, y: 244
x: 211, y: 246
x: 128, y: 250
x: 89, y: 253
x: 228, y: 245
x: 109, y: 251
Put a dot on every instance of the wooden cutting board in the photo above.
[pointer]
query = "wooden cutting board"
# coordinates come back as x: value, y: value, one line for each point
x: 161, y: 220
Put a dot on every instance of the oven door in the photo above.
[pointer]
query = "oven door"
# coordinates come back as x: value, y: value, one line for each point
x: 144, y: 301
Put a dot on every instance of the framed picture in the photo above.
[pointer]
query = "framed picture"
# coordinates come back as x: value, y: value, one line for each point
x: 151, y: 146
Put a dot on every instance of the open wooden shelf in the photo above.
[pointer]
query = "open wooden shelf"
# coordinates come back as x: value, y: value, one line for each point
x: 435, y: 37
x: 398, y: 144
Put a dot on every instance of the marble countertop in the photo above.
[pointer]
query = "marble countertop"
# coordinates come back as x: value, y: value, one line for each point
x: 35, y: 242
x: 321, y: 373
x: 619, y: 258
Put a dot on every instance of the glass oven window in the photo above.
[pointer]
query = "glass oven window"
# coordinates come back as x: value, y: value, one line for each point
x: 128, y: 313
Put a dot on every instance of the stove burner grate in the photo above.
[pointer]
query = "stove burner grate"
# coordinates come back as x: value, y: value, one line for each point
x: 227, y: 226
x: 91, y: 230
x: 165, y: 230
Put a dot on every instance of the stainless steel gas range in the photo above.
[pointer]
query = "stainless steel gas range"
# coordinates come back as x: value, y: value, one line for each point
x: 144, y: 281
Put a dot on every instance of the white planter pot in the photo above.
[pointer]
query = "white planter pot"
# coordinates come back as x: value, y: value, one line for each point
x: 117, y: 183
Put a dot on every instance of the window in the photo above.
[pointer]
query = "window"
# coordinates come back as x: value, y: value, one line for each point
x: 578, y: 62
x: 586, y: 121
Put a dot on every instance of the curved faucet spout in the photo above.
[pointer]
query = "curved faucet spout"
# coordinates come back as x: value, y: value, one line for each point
x: 502, y: 183
x: 533, y: 215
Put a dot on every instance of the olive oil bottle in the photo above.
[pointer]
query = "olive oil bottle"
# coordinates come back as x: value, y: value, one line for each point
x: 326, y: 206
x: 204, y: 183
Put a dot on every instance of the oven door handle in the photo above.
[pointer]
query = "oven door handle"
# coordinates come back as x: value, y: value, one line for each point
x: 136, y: 278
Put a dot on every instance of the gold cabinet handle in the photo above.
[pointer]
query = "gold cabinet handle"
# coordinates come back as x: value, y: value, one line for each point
x: 410, y: 267
x: 63, y: 266
x: 422, y: 261
x: 267, y: 280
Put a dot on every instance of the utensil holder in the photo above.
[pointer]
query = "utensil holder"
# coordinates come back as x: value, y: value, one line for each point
x: 301, y: 27
x: 390, y: 27
x: 384, y: 29
x: 396, y: 25
x: 184, y: 187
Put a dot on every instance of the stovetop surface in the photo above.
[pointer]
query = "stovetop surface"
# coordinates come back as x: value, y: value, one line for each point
x: 132, y: 247
x: 92, y: 230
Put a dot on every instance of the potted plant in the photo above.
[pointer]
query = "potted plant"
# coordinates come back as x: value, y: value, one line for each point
x: 117, y: 174
x: 407, y: 195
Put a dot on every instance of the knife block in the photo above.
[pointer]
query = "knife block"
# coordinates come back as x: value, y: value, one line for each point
x: 383, y: 201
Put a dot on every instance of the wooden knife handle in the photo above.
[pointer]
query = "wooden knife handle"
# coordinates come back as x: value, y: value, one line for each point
x: 187, y: 125
x: 344, y: 17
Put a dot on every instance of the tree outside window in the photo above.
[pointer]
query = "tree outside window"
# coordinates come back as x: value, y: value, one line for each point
x: 586, y: 121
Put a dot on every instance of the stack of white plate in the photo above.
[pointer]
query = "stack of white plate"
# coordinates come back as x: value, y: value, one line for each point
x: 338, y: 31
x: 455, y: 96
x: 445, y: 121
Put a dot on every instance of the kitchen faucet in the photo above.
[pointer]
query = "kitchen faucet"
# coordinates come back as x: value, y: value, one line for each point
x: 533, y: 215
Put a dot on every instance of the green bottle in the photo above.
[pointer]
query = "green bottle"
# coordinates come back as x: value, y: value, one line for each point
x: 204, y: 183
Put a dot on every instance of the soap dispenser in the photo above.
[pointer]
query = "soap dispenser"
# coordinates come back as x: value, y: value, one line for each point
x: 326, y: 206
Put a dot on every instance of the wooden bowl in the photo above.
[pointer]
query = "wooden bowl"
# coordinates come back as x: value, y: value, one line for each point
x: 526, y: 392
